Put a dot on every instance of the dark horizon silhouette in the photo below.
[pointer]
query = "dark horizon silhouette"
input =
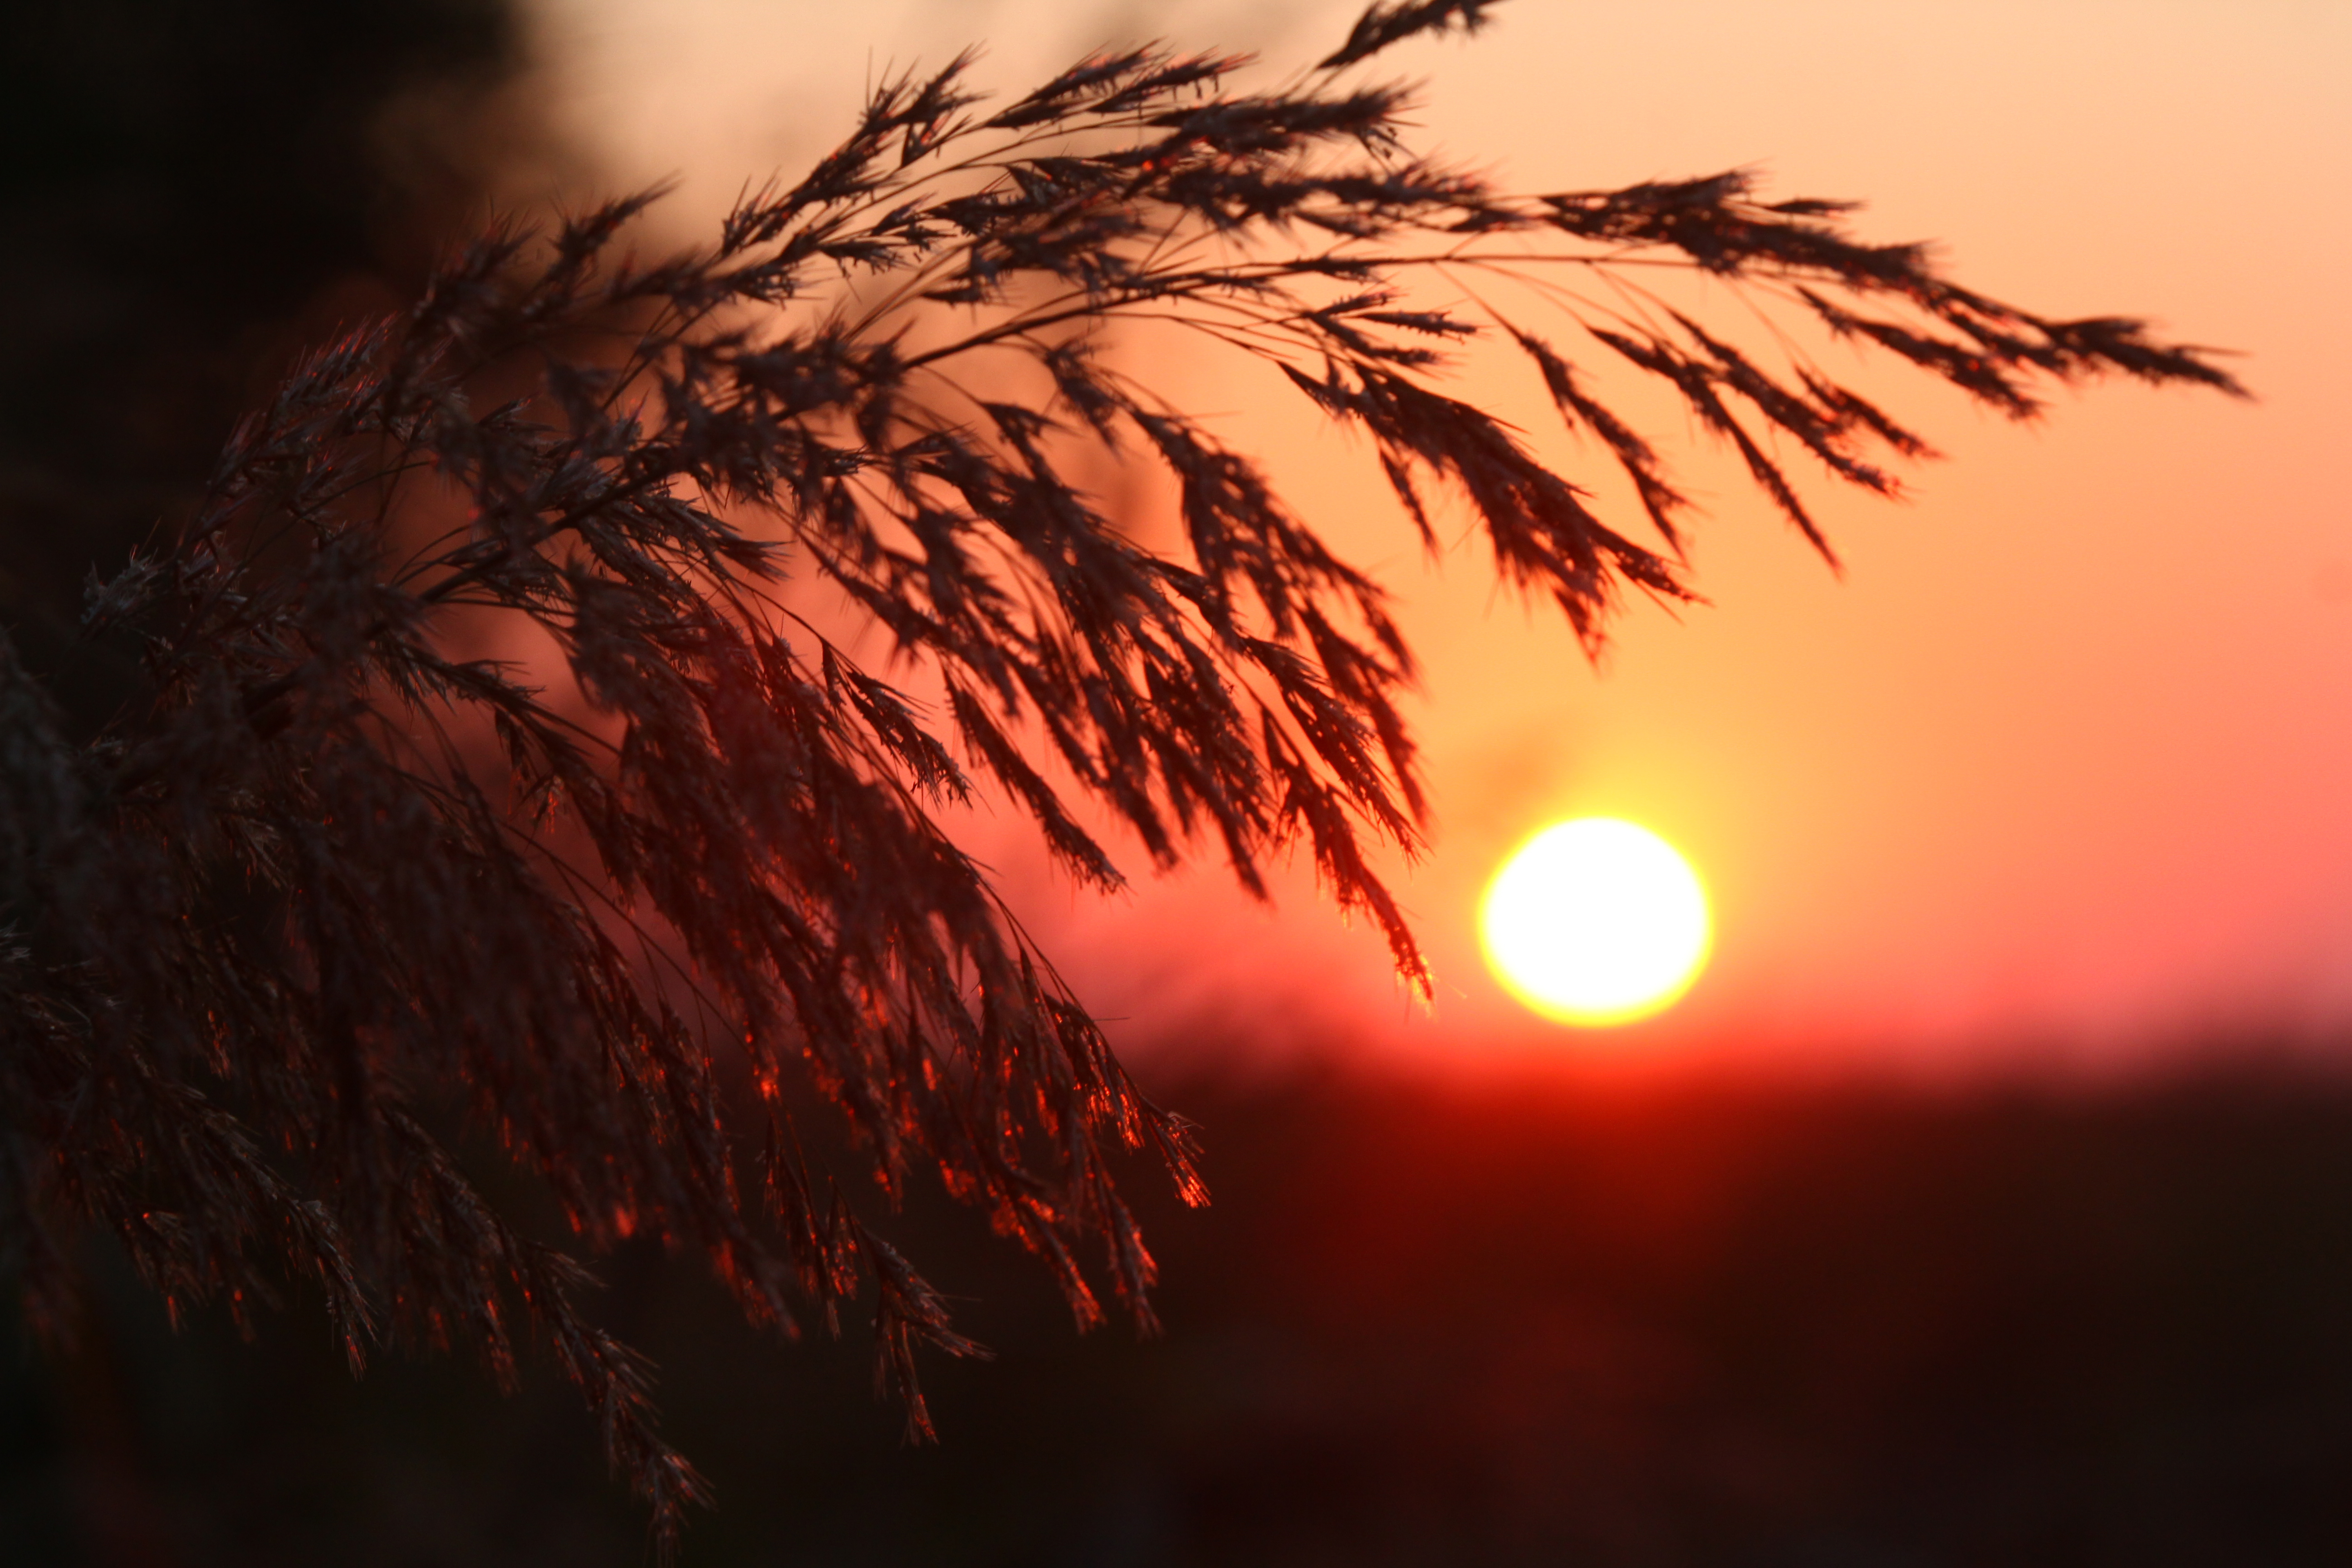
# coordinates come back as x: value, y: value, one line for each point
x: 1526, y: 1324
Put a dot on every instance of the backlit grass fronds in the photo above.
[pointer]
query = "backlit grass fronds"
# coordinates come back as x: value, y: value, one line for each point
x: 337, y: 909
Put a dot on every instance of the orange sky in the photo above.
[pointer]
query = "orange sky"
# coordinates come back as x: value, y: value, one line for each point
x: 2060, y: 771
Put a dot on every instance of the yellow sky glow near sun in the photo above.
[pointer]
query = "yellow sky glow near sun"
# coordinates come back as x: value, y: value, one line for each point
x: 2062, y: 757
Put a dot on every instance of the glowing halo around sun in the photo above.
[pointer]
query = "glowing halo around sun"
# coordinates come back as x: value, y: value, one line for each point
x: 1596, y: 921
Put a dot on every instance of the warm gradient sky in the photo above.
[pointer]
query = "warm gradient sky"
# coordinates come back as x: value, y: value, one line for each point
x: 2060, y: 771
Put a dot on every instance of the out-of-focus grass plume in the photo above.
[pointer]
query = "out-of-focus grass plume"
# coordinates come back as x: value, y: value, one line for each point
x: 192, y: 192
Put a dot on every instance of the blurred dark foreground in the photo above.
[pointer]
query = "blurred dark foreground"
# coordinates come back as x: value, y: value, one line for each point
x: 1514, y: 1324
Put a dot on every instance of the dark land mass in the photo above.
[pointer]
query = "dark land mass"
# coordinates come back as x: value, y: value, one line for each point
x: 1520, y: 1324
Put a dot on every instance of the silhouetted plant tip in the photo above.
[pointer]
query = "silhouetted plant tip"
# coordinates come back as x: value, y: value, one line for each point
x: 335, y: 893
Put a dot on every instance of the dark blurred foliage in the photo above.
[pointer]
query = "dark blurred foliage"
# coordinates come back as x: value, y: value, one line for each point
x: 1516, y: 1324
x: 190, y: 193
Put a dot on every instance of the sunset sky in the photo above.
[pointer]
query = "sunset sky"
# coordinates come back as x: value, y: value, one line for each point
x: 2059, y: 772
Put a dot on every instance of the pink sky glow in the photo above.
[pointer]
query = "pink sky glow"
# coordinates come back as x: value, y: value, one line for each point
x: 2060, y: 770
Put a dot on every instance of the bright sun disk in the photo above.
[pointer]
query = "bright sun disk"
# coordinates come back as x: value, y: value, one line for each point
x: 1596, y: 921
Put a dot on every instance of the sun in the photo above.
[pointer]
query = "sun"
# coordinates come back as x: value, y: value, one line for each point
x: 1596, y: 921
